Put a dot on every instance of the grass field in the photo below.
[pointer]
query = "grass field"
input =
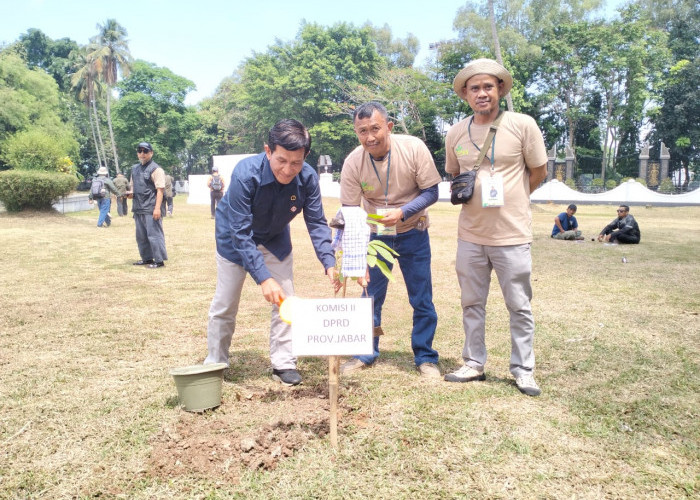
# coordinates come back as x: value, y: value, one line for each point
x: 88, y: 409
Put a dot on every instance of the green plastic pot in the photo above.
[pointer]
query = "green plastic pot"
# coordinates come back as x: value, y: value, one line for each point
x: 199, y: 386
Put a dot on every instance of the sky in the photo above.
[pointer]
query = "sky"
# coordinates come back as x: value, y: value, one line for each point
x: 206, y: 40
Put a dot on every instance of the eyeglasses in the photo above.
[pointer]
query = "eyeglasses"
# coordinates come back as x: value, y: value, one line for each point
x: 621, y: 211
x: 141, y: 150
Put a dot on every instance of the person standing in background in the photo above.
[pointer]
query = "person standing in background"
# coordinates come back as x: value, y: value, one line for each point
x: 122, y: 185
x: 146, y: 188
x: 216, y: 189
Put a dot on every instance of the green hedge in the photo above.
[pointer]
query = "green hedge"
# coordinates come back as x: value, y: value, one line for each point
x: 20, y: 189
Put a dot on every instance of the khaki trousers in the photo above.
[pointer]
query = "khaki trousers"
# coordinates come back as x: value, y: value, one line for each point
x: 224, y: 309
x: 513, y: 265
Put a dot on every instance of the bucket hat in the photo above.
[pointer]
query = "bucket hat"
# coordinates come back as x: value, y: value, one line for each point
x: 481, y: 67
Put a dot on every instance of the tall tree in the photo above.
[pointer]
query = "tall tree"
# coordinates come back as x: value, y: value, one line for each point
x: 677, y: 120
x: 112, y: 54
x: 31, y: 107
x: 566, y: 75
x: 300, y: 80
x: 85, y: 82
x: 398, y: 53
x: 53, y: 56
x: 151, y: 107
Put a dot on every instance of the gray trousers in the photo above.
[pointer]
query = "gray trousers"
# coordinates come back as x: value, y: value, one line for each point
x: 513, y: 265
x: 568, y: 235
x: 150, y: 238
x: 224, y: 308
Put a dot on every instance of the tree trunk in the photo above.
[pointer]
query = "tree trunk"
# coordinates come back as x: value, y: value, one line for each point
x: 111, y: 133
x: 99, y: 133
x: 497, y: 48
x: 94, y: 137
x: 607, y: 134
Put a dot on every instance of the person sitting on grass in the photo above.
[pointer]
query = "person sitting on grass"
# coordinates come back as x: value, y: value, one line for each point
x: 624, y: 229
x: 566, y: 225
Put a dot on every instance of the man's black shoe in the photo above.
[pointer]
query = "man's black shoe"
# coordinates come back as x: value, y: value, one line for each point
x: 287, y: 377
x: 143, y: 262
x: 154, y: 265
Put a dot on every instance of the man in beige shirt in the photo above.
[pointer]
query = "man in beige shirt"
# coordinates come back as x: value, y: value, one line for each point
x: 495, y: 228
x: 395, y: 176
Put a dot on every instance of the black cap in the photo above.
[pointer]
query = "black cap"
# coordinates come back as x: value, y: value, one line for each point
x: 145, y: 145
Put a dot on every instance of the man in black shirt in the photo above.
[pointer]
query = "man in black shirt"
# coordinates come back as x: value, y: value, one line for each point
x: 624, y: 229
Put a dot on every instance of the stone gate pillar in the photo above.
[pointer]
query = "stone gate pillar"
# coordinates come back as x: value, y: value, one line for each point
x: 570, y: 159
x: 551, y: 159
x: 664, y: 158
x: 644, y: 162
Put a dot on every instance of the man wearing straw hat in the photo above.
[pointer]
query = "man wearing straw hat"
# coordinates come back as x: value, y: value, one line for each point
x: 495, y: 226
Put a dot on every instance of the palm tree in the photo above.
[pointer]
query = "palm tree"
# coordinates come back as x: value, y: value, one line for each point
x: 113, y: 57
x: 85, y: 83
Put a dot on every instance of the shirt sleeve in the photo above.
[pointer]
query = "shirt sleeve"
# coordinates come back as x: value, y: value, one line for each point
x: 240, y: 199
x: 350, y: 184
x: 317, y: 225
x: 158, y: 178
x: 427, y: 197
x: 111, y: 187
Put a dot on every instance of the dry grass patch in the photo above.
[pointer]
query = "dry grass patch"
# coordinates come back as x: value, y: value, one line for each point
x: 87, y: 407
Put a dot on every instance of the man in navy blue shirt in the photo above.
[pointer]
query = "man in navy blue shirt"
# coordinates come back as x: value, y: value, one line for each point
x: 252, y: 237
x: 566, y: 225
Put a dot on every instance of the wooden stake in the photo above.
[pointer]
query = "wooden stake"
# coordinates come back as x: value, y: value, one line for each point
x: 333, y: 377
x: 333, y: 371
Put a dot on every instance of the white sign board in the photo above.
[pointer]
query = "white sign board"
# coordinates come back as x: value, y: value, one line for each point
x: 332, y: 327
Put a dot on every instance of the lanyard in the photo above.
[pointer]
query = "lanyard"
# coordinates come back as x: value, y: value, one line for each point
x: 493, y: 145
x: 376, y: 172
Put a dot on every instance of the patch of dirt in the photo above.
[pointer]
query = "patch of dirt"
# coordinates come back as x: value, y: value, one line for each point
x: 255, y: 428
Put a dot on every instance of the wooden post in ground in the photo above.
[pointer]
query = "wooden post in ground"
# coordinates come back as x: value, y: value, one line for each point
x: 333, y: 376
x: 333, y: 370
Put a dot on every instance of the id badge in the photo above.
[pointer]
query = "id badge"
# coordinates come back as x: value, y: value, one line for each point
x: 384, y: 230
x: 492, y: 191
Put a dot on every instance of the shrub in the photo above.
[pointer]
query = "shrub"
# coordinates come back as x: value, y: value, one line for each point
x: 20, y: 189
x: 610, y: 184
x: 666, y: 186
x: 597, y: 182
x: 643, y: 182
x: 35, y: 149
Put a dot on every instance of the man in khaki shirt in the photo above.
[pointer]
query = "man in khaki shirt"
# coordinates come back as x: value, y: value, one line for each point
x: 495, y: 229
x: 395, y: 176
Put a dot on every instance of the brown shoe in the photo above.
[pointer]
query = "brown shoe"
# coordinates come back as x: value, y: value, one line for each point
x: 352, y: 365
x: 429, y: 370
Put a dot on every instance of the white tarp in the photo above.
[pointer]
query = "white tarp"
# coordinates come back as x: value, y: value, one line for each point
x: 629, y: 193
x: 198, y: 190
